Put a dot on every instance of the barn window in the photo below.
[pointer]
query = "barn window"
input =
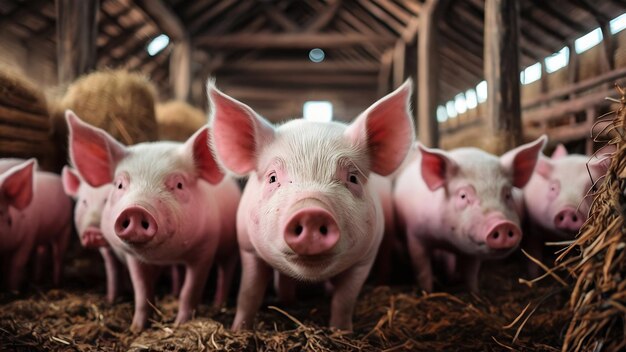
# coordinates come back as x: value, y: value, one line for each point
x: 618, y: 23
x: 158, y: 44
x: 442, y: 115
x: 451, y: 109
x: 557, y: 60
x: 531, y: 73
x: 481, y: 91
x: 471, y: 99
x: 318, y: 111
x: 588, y: 40
x: 459, y: 103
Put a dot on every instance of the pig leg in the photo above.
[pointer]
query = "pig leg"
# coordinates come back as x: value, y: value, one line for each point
x: 285, y: 288
x: 111, y: 267
x: 469, y: 268
x: 422, y: 262
x: 534, y: 246
x: 384, y: 259
x: 59, y: 246
x: 40, y: 262
x: 196, y: 275
x: 255, y: 275
x: 143, y: 277
x: 178, y: 277
x: 347, y: 288
x: 225, y: 273
x: 17, y: 266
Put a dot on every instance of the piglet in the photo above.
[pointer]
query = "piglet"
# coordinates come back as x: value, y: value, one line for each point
x: 170, y: 204
x: 461, y: 202
x: 558, y: 197
x: 34, y: 212
x: 90, y: 202
x: 309, y: 210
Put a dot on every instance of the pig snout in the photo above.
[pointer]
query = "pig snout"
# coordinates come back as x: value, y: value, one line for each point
x: 503, y: 235
x: 568, y: 220
x: 92, y: 238
x: 311, y: 231
x: 135, y: 225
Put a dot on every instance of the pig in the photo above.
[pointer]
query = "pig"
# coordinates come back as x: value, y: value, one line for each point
x: 90, y: 202
x: 461, y: 202
x: 171, y: 204
x: 35, y: 214
x: 308, y: 209
x: 558, y: 197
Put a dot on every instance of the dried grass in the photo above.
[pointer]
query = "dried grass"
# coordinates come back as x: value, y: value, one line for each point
x: 178, y: 120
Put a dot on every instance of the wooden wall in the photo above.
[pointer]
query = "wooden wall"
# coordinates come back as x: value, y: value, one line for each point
x: 26, y: 58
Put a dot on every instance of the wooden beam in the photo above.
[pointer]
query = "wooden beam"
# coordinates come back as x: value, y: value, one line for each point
x: 285, y: 66
x: 399, y: 58
x: 546, y: 6
x: 295, y: 41
x: 608, y: 46
x: 279, y: 17
x: 395, y: 10
x: 263, y: 79
x: 164, y: 18
x: 502, y: 73
x: 385, y: 73
x: 208, y: 15
x: 180, y: 70
x: 428, y: 72
x: 76, y: 32
x: 324, y: 18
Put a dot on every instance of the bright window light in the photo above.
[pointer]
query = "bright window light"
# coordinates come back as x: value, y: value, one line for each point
x: 317, y: 55
x: 588, y: 40
x: 471, y: 99
x: 318, y: 111
x: 158, y: 44
x: 618, y: 23
x: 450, y: 109
x: 481, y: 91
x: 557, y: 60
x: 459, y: 103
x: 531, y: 73
x: 442, y: 114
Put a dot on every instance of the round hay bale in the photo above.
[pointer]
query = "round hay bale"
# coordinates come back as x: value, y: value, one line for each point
x: 178, y: 120
x: 24, y: 120
x: 597, y: 261
x: 119, y: 102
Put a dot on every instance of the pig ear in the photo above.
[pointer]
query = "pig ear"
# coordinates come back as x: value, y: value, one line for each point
x: 93, y: 151
x: 198, y: 146
x: 237, y: 132
x: 559, y: 152
x: 544, y: 167
x: 16, y: 184
x: 522, y: 160
x: 436, y: 167
x: 71, y: 181
x: 600, y: 162
x: 386, y: 129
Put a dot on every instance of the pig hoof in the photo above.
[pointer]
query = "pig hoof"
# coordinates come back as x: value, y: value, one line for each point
x: 136, y: 328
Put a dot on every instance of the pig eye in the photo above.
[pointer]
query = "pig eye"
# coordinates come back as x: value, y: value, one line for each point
x: 463, y: 195
x: 119, y: 186
x: 85, y: 202
x: 272, y: 177
x: 179, y: 185
x: 353, y: 179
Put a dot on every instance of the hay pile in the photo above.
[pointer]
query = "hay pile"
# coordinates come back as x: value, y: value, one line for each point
x: 24, y: 118
x: 597, y: 261
x: 178, y: 120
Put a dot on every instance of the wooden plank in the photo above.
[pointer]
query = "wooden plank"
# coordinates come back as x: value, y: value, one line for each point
x: 21, y: 118
x: 394, y: 10
x: 279, y: 18
x: 208, y: 15
x: 428, y: 72
x: 399, y: 58
x: 385, y: 73
x: 572, y: 106
x: 77, y: 28
x: 180, y: 70
x: 324, y: 18
x: 300, y: 66
x: 294, y: 41
x: 502, y: 73
x: 164, y: 18
x: 262, y: 79
x: 608, y: 46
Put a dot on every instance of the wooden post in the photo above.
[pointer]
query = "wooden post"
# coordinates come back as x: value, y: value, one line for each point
x: 502, y: 73
x: 590, y: 115
x: 76, y: 37
x: 399, y: 58
x: 572, y: 67
x: 384, y: 73
x: 180, y: 70
x: 427, y: 72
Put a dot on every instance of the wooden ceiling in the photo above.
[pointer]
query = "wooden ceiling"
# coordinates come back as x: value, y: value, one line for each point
x: 259, y: 50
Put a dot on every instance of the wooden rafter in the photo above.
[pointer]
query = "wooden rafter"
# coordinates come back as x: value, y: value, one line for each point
x: 164, y: 18
x: 302, y: 41
x: 323, y: 18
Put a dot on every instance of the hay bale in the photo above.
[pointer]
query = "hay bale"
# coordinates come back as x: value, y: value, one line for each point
x: 24, y: 119
x: 119, y: 102
x: 597, y: 261
x: 178, y: 120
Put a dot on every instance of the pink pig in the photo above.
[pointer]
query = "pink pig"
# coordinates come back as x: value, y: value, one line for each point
x: 90, y: 202
x: 558, y: 197
x: 308, y: 209
x: 170, y: 205
x: 34, y: 212
x: 461, y: 202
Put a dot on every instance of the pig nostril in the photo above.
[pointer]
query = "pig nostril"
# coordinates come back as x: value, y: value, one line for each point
x: 125, y: 223
x: 299, y: 229
x: 561, y: 218
x: 145, y: 224
x: 510, y: 234
x: 575, y: 218
x: 496, y: 235
x: 324, y: 230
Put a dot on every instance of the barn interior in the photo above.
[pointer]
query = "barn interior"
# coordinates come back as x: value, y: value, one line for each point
x: 486, y: 73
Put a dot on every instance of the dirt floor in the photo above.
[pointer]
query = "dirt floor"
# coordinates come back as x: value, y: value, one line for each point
x: 387, y: 318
